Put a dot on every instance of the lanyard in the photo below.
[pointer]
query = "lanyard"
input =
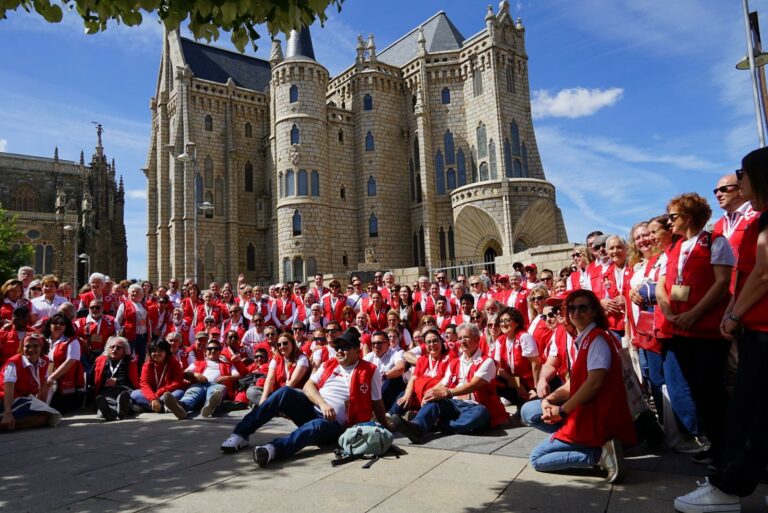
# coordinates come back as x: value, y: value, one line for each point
x: 619, y: 275
x: 113, y: 370
x: 684, y: 255
x: 35, y: 370
x: 432, y: 372
x: 162, y: 375
x: 729, y: 226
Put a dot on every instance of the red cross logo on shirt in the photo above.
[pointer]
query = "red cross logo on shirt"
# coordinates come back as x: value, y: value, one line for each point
x: 364, y: 388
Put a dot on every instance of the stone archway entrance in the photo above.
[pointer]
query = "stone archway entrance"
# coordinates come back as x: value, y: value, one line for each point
x: 478, y: 238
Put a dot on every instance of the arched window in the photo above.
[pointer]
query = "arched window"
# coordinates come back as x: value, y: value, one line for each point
x: 373, y: 226
x: 296, y: 223
x: 367, y: 102
x: 209, y: 199
x: 369, y: 141
x: 439, y: 173
x: 250, y: 258
x: 482, y: 142
x: 289, y: 183
x: 449, y: 153
x: 302, y: 179
x: 462, y: 168
x: 492, y: 159
x: 345, y: 259
x: 517, y: 172
x: 371, y: 186
x: 248, y: 173
x: 298, y: 269
x: 293, y: 94
x: 515, y: 133
x: 446, y: 96
x: 39, y: 258
x: 417, y: 167
x: 450, y: 179
x: 208, y: 123
x: 483, y: 171
x: 218, y: 203
x: 287, y: 269
x: 477, y: 82
x: 473, y: 164
x: 294, y: 134
x: 315, y: 183
x: 280, y: 185
x: 24, y: 199
x: 248, y: 130
x: 311, y: 266
x: 507, y: 159
x: 208, y: 174
x: 441, y: 234
x: 415, y: 250
x: 422, y: 247
x: 343, y: 193
x: 525, y: 161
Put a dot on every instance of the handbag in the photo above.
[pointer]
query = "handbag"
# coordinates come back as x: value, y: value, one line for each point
x: 645, y: 337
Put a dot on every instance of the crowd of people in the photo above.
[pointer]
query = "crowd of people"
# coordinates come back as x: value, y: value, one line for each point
x: 586, y: 353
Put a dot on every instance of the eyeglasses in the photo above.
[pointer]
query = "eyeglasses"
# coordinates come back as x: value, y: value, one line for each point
x: 259, y: 357
x: 475, y: 318
x: 94, y: 308
x: 432, y: 341
x: 673, y: 216
x: 475, y: 283
x: 724, y: 188
x: 504, y: 322
x: 379, y: 343
x: 335, y: 286
x: 538, y: 298
x: 582, y: 308
x: 550, y: 315
x: 283, y: 344
x: 318, y: 339
x: 575, y: 255
x: 232, y: 337
x: 546, y: 278
x: 739, y: 174
x: 58, y: 323
x: 343, y: 349
x: 209, y: 322
x: 211, y: 349
x: 270, y: 334
x: 298, y: 329
x: 328, y: 332
x: 35, y: 288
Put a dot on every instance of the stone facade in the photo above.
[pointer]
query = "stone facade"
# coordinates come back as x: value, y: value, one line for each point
x: 66, y: 209
x: 421, y: 155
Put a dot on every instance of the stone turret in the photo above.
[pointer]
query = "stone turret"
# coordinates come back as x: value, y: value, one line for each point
x: 276, y: 53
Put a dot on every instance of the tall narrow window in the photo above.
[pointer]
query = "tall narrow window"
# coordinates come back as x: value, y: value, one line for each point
x: 450, y: 179
x: 208, y: 123
x: 507, y: 159
x: 462, y: 168
x: 422, y: 247
x: 415, y: 250
x: 248, y: 130
x: 218, y: 202
x: 511, y: 76
x: 373, y: 226
x: 315, y: 183
x: 287, y: 269
x: 199, y: 187
x: 294, y: 134
x: 343, y: 193
x: 280, y: 185
x: 298, y: 269
x: 515, y: 133
x: 296, y: 223
x: 289, y: 183
x: 367, y: 102
x: 483, y: 171
x: 293, y: 94
x: 208, y: 171
x: 477, y: 82
x: 248, y: 172
x: 250, y: 258
x: 417, y: 164
x: 446, y: 96
x: 210, y: 259
x: 449, y: 153
x: 341, y: 136
x: 439, y: 173
x: 412, y: 180
x: 302, y: 179
x: 441, y: 234
x: 473, y: 164
x: 482, y: 142
x: 39, y: 258
x: 526, y: 173
x: 369, y: 141
x: 345, y: 260
x: 492, y: 159
x: 311, y: 266
x: 371, y: 186
x: 209, y: 199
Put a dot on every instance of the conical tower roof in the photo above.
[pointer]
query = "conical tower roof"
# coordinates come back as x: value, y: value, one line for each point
x: 300, y: 45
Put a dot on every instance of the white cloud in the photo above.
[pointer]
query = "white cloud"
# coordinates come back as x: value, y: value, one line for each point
x: 3, y: 144
x: 575, y: 102
x: 139, y: 194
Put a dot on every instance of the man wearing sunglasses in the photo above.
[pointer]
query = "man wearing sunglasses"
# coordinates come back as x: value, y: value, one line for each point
x: 95, y: 329
x: 342, y: 392
x: 738, y: 211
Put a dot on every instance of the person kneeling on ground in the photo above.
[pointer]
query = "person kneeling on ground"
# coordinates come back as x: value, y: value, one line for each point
x: 342, y: 392
x: 23, y: 388
x: 116, y: 375
x: 588, y: 415
x: 465, y: 400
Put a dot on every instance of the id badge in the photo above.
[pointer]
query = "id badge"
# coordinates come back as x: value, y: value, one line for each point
x: 95, y: 339
x: 680, y: 292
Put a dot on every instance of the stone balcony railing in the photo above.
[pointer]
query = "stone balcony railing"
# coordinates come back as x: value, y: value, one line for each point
x: 492, y: 189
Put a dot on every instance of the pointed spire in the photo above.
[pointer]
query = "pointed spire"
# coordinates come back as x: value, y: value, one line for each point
x: 519, y: 24
x: 113, y: 164
x: 56, y: 154
x: 360, y: 49
x: 422, y: 41
x: 121, y: 186
x: 371, y: 49
x: 489, y: 15
x: 276, y: 54
x: 300, y: 44
x: 82, y: 158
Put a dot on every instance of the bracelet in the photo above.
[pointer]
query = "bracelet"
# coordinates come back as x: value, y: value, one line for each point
x: 734, y: 318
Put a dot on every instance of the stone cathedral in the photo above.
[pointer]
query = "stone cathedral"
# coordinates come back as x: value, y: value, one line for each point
x: 421, y: 154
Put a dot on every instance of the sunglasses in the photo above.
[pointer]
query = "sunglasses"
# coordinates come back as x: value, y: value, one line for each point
x: 232, y: 337
x: 259, y: 357
x: 270, y: 334
x: 477, y: 317
x: 575, y: 255
x: 328, y: 332
x: 343, y: 348
x: 374, y: 344
x: 550, y: 315
x: 673, y: 216
x: 35, y: 288
x: 283, y: 344
x: 94, y: 308
x: 58, y: 323
x: 580, y: 308
x: 209, y: 322
x: 318, y: 339
x: 539, y: 298
x: 298, y: 329
x: 212, y: 348
x: 724, y: 188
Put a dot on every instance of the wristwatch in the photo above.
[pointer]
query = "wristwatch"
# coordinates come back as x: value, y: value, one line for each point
x: 734, y: 318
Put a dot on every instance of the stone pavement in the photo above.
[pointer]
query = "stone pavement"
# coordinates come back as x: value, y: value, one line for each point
x: 156, y: 463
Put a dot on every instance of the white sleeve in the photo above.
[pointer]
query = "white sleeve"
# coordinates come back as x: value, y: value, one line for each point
x: 486, y: 371
x: 722, y: 254
x: 317, y: 356
x: 73, y: 350
x: 528, y: 345
x: 398, y: 357
x: 416, y: 351
x: 9, y: 376
x: 376, y: 386
x: 315, y: 377
x: 369, y: 357
x: 447, y: 378
x: 302, y: 362
x: 120, y: 314
x: 552, y: 345
x: 272, y: 364
x: 599, y: 355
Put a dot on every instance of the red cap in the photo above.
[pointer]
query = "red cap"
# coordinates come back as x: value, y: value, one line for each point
x: 556, y: 300
x: 503, y: 277
x: 531, y: 266
x: 215, y: 332
x: 263, y: 345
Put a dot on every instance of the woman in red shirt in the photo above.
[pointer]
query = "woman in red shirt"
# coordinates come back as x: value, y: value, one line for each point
x: 162, y: 374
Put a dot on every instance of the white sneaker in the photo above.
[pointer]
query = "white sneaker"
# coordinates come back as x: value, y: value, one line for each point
x: 234, y: 443
x: 708, y: 499
x: 212, y: 403
x: 612, y: 460
x: 506, y: 402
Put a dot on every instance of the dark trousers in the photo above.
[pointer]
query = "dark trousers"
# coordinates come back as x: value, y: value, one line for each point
x: 311, y: 427
x: 746, y: 451
x: 391, y: 389
x: 702, y: 362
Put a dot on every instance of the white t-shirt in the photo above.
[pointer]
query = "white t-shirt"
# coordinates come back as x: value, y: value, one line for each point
x: 301, y: 362
x: 527, y: 345
x: 252, y: 337
x: 486, y: 371
x: 212, y: 372
x: 599, y: 355
x: 317, y: 355
x: 73, y: 350
x: 387, y: 361
x: 335, y: 390
x: 9, y: 375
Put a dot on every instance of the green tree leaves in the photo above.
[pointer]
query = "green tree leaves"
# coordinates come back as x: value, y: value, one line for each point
x: 11, y: 258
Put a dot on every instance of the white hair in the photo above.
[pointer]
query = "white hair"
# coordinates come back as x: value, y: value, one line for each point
x: 388, y: 274
x: 97, y: 276
x: 135, y: 286
x: 115, y: 341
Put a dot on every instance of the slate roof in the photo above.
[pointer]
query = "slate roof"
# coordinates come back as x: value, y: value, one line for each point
x: 217, y: 65
x: 440, y: 35
x: 299, y: 45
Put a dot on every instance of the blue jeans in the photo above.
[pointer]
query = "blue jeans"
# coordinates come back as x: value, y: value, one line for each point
x: 391, y: 390
x: 680, y: 397
x: 396, y: 408
x: 652, y: 366
x: 530, y: 414
x: 138, y: 398
x: 452, y: 416
x: 553, y: 454
x: 197, y: 395
x: 312, y: 428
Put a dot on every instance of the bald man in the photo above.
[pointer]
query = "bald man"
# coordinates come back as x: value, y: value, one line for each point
x: 738, y: 211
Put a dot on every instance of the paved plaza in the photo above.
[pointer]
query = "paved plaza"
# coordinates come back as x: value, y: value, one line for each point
x: 156, y: 463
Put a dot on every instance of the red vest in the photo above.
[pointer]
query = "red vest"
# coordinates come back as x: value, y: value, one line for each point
x: 422, y: 382
x: 360, y: 405
x: 189, y: 309
x: 485, y: 395
x: 129, y: 321
x: 74, y: 379
x: 157, y: 380
x: 756, y: 318
x: 334, y: 314
x: 520, y: 304
x: 183, y: 328
x: 109, y: 302
x: 737, y: 232
x: 7, y: 308
x: 542, y: 335
x: 101, y: 365
x: 565, y: 357
x: 699, y: 275
x: 595, y: 271
x: 611, y: 290
x: 10, y: 344
x: 261, y: 308
x: 606, y: 415
x: 520, y: 366
x: 443, y: 322
x: 574, y: 278
x: 281, y: 376
x: 201, y: 313
x: 25, y: 381
x: 377, y: 320
x: 236, y: 356
x: 105, y: 329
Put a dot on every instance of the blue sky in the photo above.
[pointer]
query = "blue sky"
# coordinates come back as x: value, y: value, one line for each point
x: 634, y: 102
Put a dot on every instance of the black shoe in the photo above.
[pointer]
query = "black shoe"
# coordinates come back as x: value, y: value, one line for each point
x: 261, y: 456
x: 409, y: 429
x: 229, y: 406
x: 124, y: 405
x: 105, y: 409
x: 702, y: 458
